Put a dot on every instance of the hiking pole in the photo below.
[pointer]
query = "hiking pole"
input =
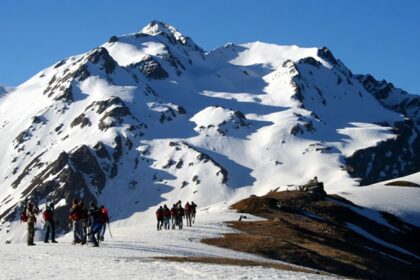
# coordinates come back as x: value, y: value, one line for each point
x: 109, y: 229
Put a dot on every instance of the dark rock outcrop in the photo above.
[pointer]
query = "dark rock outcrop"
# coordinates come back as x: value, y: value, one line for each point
x: 389, y: 159
x: 327, y: 55
x: 81, y: 120
x: 151, y: 68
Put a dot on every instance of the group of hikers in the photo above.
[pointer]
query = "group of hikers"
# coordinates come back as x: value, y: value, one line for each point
x: 172, y: 218
x: 87, y: 224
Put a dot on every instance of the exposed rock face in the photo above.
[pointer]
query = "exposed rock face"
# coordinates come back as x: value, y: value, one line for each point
x: 81, y: 120
x: 395, y: 157
x: 393, y: 98
x: 102, y: 58
x: 71, y: 175
x: 326, y: 54
x: 389, y: 159
x: 150, y: 68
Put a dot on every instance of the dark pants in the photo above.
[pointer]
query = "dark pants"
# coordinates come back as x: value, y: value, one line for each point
x: 50, y: 228
x: 31, y: 233
x: 159, y: 223
x: 94, y: 230
x: 102, y: 232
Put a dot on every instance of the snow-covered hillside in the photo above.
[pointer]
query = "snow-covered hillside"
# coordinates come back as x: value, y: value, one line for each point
x: 4, y: 90
x: 150, y: 118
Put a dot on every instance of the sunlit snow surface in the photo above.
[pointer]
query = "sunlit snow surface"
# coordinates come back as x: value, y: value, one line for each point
x: 129, y: 255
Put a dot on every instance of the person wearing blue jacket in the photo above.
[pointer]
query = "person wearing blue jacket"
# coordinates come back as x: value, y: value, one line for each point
x: 94, y: 222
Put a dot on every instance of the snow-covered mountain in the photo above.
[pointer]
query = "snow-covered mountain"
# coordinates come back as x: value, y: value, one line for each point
x: 150, y: 118
x: 4, y: 90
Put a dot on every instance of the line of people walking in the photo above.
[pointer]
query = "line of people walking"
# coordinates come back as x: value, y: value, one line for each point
x: 172, y: 218
x: 89, y: 224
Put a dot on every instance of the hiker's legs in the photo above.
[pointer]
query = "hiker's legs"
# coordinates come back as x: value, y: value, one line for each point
x: 103, y: 230
x: 52, y: 230
x: 47, y: 231
x: 31, y: 233
x: 94, y: 230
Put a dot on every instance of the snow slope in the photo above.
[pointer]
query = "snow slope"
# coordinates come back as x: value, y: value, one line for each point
x: 150, y: 118
x: 403, y: 202
x: 129, y: 255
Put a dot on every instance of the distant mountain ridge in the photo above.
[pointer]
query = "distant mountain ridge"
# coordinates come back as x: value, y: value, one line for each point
x: 150, y: 117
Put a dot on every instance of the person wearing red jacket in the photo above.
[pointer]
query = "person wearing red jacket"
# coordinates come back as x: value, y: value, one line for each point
x: 187, y: 212
x: 103, y: 219
x: 167, y: 217
x: 75, y: 218
x: 159, y: 217
x: 49, y: 223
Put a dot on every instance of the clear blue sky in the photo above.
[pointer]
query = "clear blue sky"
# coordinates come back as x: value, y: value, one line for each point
x: 377, y: 37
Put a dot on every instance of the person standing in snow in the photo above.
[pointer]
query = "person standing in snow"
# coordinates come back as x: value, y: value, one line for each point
x: 85, y: 221
x: 49, y: 223
x: 187, y: 211
x: 174, y: 211
x: 31, y: 220
x: 95, y: 224
x: 104, y: 220
x: 193, y: 211
x: 179, y: 215
x: 159, y: 217
x: 167, y: 217
x: 75, y: 217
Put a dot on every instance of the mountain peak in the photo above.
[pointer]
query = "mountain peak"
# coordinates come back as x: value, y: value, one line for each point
x: 156, y: 27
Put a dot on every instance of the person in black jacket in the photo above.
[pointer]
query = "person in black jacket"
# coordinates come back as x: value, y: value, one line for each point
x: 49, y: 223
x: 94, y: 222
x: 31, y: 220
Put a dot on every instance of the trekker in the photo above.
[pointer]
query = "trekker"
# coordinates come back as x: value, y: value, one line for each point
x: 49, y: 223
x: 104, y: 220
x: 179, y: 215
x: 95, y: 225
x: 75, y: 217
x: 193, y: 211
x: 85, y: 221
x: 167, y: 217
x: 31, y: 220
x: 159, y: 217
x: 187, y: 211
x: 174, y: 211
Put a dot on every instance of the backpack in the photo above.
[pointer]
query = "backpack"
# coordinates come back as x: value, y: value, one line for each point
x: 47, y: 215
x: 103, y: 216
x: 23, y: 217
x: 75, y: 213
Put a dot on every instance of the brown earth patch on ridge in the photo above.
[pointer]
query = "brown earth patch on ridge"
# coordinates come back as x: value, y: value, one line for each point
x: 403, y: 184
x: 309, y: 231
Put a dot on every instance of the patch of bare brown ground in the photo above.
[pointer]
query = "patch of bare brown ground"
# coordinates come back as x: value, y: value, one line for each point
x: 321, y: 233
x: 403, y: 184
